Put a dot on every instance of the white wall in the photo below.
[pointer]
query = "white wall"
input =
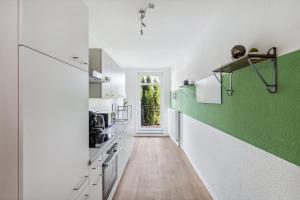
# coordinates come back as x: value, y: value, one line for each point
x: 131, y: 91
x: 234, y: 170
x: 258, y: 23
x: 231, y: 168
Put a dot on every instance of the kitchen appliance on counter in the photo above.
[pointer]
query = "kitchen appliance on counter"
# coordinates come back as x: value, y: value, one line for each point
x: 97, y: 133
x: 110, y: 170
x: 109, y: 119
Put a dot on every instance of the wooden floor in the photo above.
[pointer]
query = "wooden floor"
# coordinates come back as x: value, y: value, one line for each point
x: 159, y: 170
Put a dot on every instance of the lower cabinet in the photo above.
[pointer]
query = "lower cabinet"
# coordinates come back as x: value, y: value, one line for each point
x: 126, y: 145
x: 81, y: 191
x: 125, y: 141
x: 95, y: 179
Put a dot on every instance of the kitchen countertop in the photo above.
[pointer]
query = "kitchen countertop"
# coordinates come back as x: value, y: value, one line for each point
x: 115, y: 130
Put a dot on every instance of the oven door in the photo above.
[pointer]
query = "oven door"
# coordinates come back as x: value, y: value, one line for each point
x: 110, y: 173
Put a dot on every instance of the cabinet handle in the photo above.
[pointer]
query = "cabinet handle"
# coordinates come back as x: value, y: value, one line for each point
x: 81, y: 183
x: 79, y: 60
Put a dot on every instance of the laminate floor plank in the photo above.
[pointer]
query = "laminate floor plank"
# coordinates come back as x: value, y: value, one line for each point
x: 159, y: 170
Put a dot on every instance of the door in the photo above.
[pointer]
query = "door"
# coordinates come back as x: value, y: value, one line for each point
x: 9, y: 100
x: 106, y: 69
x: 56, y: 27
x: 54, y: 126
x: 149, y: 109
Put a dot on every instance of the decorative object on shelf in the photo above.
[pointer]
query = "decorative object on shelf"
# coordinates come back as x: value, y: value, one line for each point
x: 238, y: 51
x: 252, y: 59
x: 142, y: 14
x: 186, y: 82
x: 253, y: 50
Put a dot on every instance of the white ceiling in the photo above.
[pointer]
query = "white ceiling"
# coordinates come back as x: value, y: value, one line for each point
x: 172, y: 29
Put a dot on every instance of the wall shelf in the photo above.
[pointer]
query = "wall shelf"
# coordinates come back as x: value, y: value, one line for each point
x: 251, y: 59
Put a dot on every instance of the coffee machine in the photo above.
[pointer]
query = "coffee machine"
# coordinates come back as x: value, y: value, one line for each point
x: 97, y: 133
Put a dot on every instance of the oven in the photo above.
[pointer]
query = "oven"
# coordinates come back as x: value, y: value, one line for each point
x: 110, y: 170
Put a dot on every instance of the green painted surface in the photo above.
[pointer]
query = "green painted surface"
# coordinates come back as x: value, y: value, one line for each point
x: 268, y: 121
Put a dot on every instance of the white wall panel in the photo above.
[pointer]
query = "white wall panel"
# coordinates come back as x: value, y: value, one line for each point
x: 235, y: 170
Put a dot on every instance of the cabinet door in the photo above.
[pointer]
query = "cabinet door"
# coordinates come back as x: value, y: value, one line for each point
x: 56, y: 27
x: 114, y: 79
x: 95, y: 173
x: 122, y: 84
x: 96, y: 189
x: 118, y: 81
x: 9, y: 100
x: 54, y: 126
x: 106, y: 68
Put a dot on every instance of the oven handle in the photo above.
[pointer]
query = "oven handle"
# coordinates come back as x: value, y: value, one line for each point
x: 110, y: 158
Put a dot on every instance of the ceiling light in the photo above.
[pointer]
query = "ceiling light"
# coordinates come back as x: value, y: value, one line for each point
x: 142, y: 14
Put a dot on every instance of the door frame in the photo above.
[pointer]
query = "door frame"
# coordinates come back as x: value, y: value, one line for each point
x: 139, y: 129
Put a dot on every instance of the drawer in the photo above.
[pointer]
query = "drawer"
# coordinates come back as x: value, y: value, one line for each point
x: 95, y: 171
x: 81, y: 190
x: 97, y: 162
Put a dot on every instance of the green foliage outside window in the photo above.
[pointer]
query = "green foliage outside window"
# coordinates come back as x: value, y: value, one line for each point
x: 150, y: 102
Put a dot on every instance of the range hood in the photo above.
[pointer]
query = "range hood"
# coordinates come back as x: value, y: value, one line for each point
x: 97, y: 77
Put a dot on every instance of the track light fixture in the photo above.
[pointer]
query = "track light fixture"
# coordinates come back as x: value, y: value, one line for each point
x: 142, y: 14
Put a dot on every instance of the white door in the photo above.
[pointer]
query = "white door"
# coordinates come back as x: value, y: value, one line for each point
x: 54, y: 126
x: 56, y: 27
x: 150, y: 98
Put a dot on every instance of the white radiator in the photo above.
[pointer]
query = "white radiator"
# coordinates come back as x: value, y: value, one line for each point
x: 174, y: 125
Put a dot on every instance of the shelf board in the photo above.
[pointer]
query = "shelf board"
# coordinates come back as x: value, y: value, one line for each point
x: 185, y: 86
x: 243, y: 62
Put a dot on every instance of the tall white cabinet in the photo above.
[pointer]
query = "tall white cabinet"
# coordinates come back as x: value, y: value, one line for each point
x: 9, y: 100
x: 54, y: 129
x: 44, y: 100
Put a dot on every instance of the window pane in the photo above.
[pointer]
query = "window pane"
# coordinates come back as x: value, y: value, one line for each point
x: 150, y: 106
x: 149, y: 79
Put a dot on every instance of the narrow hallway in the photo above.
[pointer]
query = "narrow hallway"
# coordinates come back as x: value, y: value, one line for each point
x: 159, y: 170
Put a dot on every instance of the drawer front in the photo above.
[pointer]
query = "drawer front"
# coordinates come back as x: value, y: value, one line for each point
x: 81, y: 191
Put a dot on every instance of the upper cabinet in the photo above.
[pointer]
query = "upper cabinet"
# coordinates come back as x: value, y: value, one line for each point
x: 100, y: 61
x: 56, y: 27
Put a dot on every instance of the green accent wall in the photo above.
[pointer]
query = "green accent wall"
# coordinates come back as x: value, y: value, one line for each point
x: 268, y: 121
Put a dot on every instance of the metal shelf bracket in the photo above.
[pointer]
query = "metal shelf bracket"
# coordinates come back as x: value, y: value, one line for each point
x: 229, y: 91
x: 271, y: 87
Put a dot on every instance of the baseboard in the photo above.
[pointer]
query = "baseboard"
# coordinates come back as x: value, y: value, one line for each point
x: 176, y: 142
x: 213, y: 195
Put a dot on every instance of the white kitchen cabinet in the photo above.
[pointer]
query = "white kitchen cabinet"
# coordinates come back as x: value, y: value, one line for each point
x: 100, y: 61
x: 82, y: 191
x: 53, y: 126
x: 122, y: 156
x: 56, y: 27
x: 126, y: 145
x: 118, y: 81
x: 9, y: 100
x: 107, y: 69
